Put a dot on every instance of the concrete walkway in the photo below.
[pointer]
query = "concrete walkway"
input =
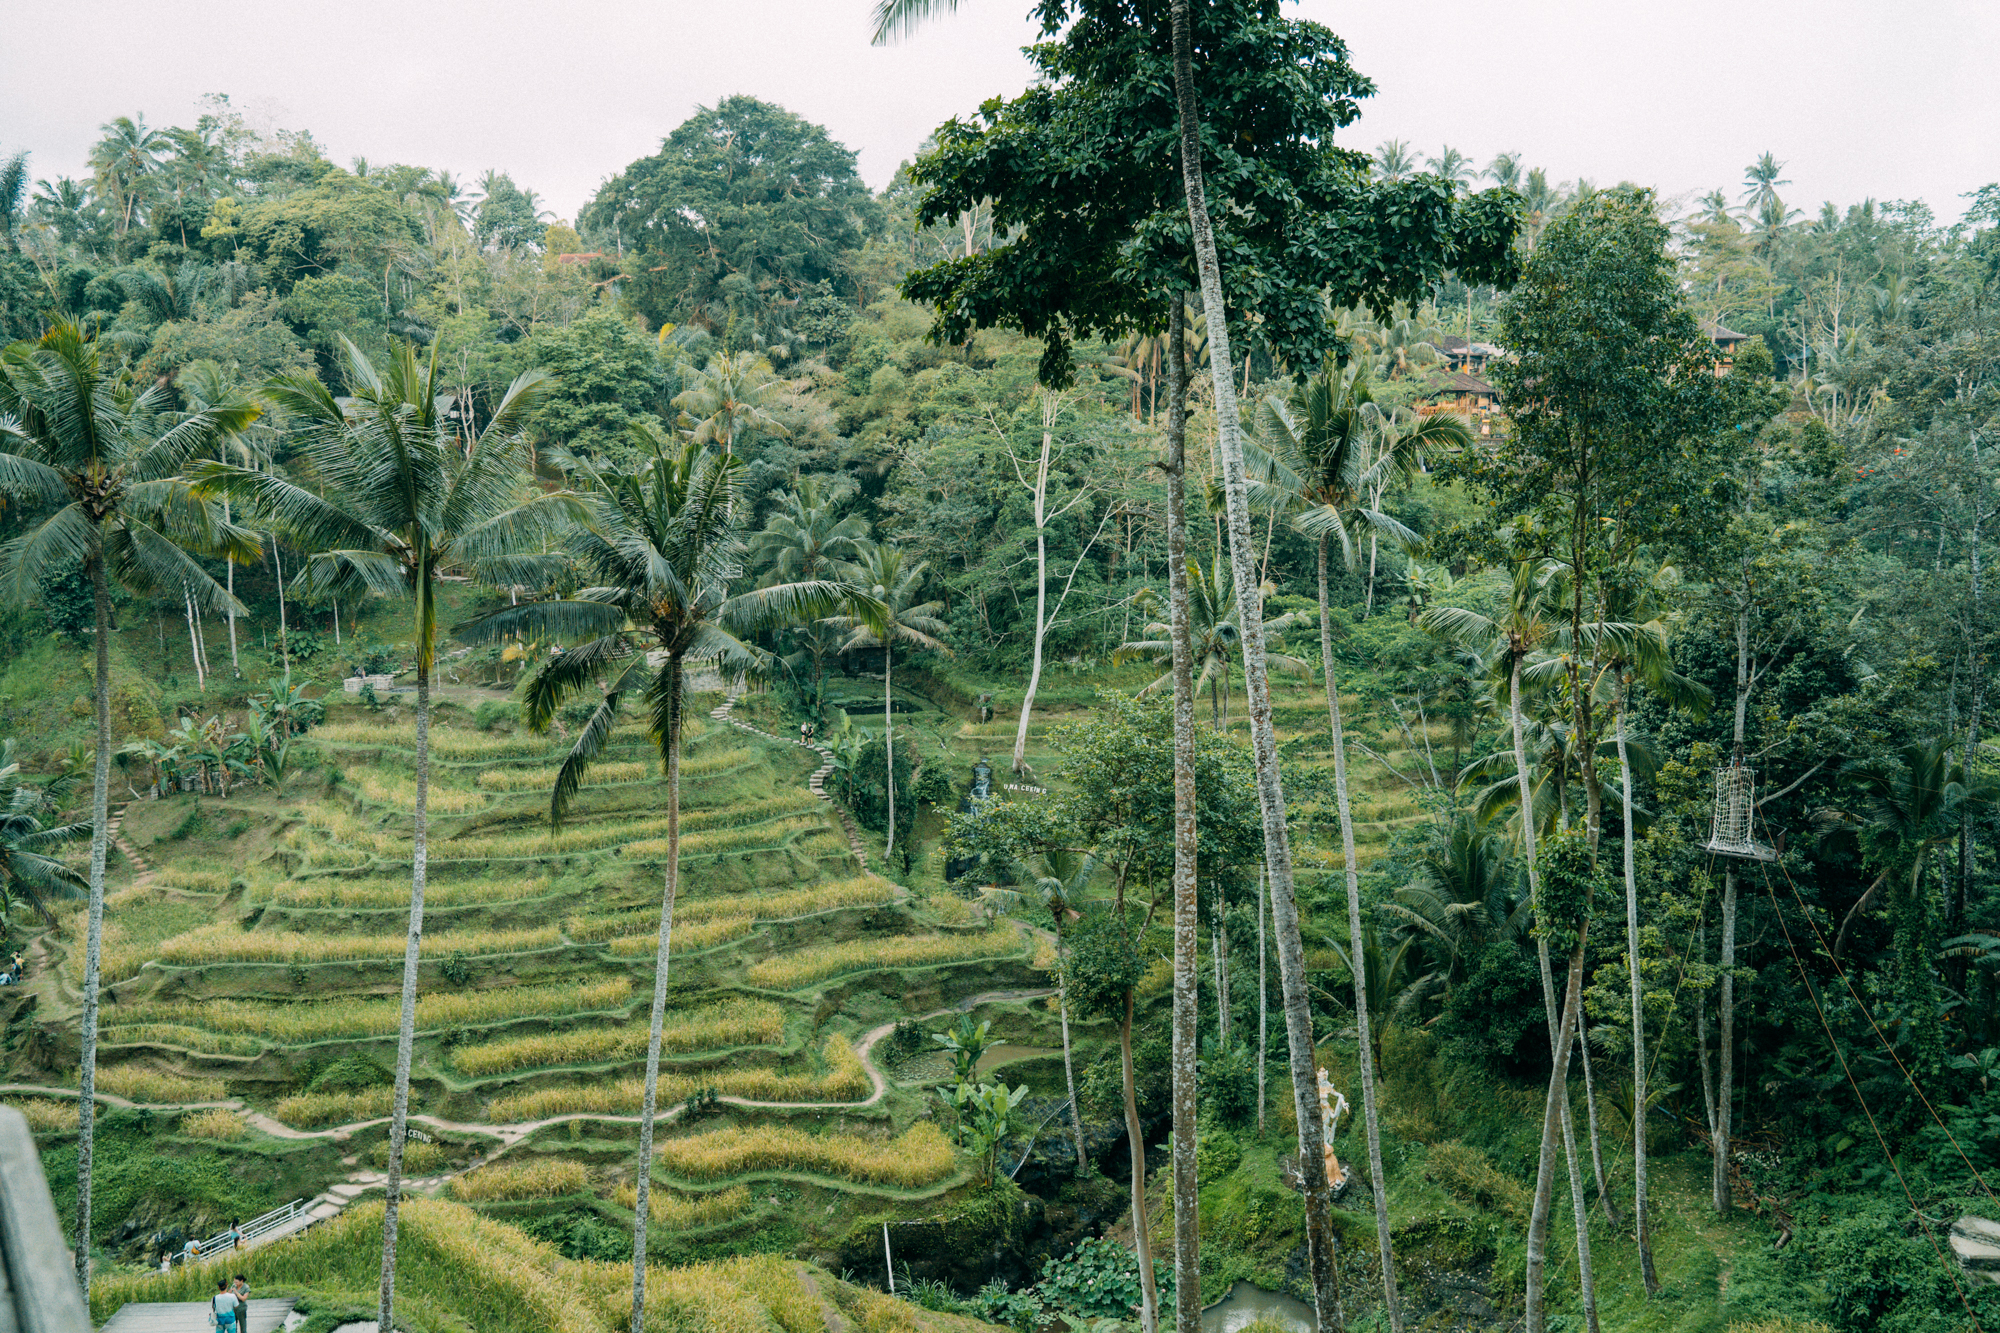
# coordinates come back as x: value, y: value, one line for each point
x: 266, y: 1316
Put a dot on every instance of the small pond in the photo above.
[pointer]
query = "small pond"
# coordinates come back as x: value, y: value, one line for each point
x: 1244, y: 1303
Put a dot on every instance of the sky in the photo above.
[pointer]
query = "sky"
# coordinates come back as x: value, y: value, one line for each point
x: 1859, y: 98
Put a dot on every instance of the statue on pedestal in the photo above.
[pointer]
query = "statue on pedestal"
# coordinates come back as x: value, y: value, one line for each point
x: 1332, y: 1106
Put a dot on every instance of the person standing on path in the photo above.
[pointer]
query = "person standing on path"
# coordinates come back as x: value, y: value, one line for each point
x: 223, y: 1307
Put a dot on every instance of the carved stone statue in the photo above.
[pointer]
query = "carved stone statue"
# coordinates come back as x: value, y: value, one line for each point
x: 1332, y: 1106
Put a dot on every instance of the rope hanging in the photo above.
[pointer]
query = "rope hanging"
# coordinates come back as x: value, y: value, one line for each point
x: 1735, y: 808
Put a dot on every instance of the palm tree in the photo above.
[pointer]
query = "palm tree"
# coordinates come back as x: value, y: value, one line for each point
x: 728, y: 398
x: 13, y: 195
x: 808, y: 538
x: 1213, y: 636
x: 889, y: 614
x: 1463, y: 894
x: 1321, y: 457
x: 663, y: 544
x: 1523, y: 630
x: 128, y: 153
x: 1505, y: 170
x: 1453, y: 165
x: 104, y: 462
x: 405, y: 497
x: 1394, y: 161
x: 1900, y: 810
x: 1761, y: 182
x: 28, y: 873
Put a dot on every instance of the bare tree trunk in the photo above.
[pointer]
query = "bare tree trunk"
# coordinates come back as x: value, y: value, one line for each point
x: 1041, y: 578
x: 229, y: 572
x: 1590, y: 1109
x: 1263, y: 1005
x: 1142, y: 1238
x: 1545, y: 1173
x: 93, y: 939
x: 1270, y: 790
x: 888, y: 745
x: 1069, y: 1068
x: 1725, y: 1039
x: 284, y: 639
x: 1187, y: 1222
x: 1642, y: 1227
x: 1378, y: 1181
x: 649, y: 1104
x: 406, y: 1032
x: 194, y: 644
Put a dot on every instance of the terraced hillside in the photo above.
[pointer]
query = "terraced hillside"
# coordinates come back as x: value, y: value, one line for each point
x: 253, y: 958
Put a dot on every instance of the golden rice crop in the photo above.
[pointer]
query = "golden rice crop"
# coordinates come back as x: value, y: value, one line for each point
x: 419, y: 1158
x: 845, y: 1080
x: 952, y: 910
x: 689, y: 938
x: 680, y: 1212
x: 349, y: 1016
x: 175, y: 1034
x: 447, y: 743
x: 136, y: 1083
x: 380, y: 789
x: 217, y: 1124
x: 699, y: 829
x: 338, y: 891
x: 730, y: 840
x: 920, y: 1156
x: 196, y: 881
x: 45, y: 1116
x: 860, y: 891
x: 225, y: 942
x: 542, y: 779
x: 792, y: 970
x: 751, y: 1294
x: 310, y: 1109
x: 546, y: 1179
x: 731, y: 1023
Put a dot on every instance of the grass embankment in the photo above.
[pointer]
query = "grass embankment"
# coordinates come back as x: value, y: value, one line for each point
x: 459, y: 1272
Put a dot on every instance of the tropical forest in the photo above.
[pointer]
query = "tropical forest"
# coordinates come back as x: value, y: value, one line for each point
x: 1171, y: 723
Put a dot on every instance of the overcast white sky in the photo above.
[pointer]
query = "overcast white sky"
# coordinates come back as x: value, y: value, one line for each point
x: 1860, y: 98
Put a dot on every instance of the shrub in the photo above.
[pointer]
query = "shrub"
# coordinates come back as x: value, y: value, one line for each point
x: 492, y: 712
x: 1468, y: 1175
x: 547, y: 1179
x: 919, y: 1156
x: 351, y: 1073
x: 217, y: 1124
x: 1217, y: 1153
x: 1100, y: 1279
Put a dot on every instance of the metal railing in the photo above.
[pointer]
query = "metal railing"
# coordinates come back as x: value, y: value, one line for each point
x: 251, y: 1230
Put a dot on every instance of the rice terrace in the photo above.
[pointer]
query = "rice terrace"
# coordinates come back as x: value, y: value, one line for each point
x: 989, y: 678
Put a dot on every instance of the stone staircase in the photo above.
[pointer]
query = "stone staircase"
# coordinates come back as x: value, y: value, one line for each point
x: 817, y: 782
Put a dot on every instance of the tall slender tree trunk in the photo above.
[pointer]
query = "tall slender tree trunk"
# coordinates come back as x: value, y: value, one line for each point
x: 93, y: 939
x: 1726, y: 1011
x: 1545, y: 1172
x: 406, y: 1031
x: 1270, y: 790
x: 1187, y: 1217
x: 284, y: 638
x: 1642, y: 1227
x: 1590, y: 1107
x: 1142, y: 1232
x: 649, y: 1102
x: 1378, y: 1181
x: 889, y: 738
x: 1041, y: 579
x: 1069, y: 1068
x: 194, y: 643
x: 1263, y: 1001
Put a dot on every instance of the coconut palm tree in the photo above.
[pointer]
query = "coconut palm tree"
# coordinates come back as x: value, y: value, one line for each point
x: 888, y: 614
x: 1453, y: 165
x: 728, y: 399
x: 1761, y: 182
x: 1464, y: 893
x: 808, y: 538
x: 124, y: 159
x: 1505, y: 170
x: 1394, y: 161
x: 406, y: 494
x: 1320, y: 454
x: 104, y: 462
x: 1212, y: 633
x: 662, y: 542
x: 29, y: 874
